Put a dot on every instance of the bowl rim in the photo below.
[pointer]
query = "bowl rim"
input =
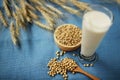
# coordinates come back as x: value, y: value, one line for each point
x: 78, y: 44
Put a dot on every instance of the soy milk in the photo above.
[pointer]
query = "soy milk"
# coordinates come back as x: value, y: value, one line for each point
x: 95, y: 25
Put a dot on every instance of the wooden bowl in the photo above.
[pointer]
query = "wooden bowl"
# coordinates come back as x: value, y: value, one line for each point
x: 62, y: 46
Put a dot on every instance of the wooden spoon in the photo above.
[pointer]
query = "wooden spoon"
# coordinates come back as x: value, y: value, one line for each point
x: 78, y: 69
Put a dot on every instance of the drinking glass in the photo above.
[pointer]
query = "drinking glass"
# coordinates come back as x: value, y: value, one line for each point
x: 96, y: 22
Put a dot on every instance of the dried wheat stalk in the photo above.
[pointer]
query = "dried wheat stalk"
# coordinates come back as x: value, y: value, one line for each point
x: 16, y: 17
x: 19, y: 11
x: 26, y: 17
x: 23, y: 6
x: 13, y: 33
x: 43, y: 25
x: 3, y: 20
x: 6, y: 1
x: 34, y: 1
x: 81, y: 5
x: 51, y: 13
x: 6, y: 7
x: 48, y: 11
x: 50, y: 20
x: 71, y: 10
x: 54, y: 9
x: 118, y: 1
x: 25, y: 11
x: 17, y: 24
x: 67, y: 8
x: 33, y: 15
x: 19, y: 21
x: 17, y: 29
x: 110, y: 1
x: 20, y: 17
x: 29, y: 6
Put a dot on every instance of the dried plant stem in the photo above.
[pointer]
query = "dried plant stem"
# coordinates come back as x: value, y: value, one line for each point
x: 3, y: 20
x: 26, y: 17
x: 34, y: 1
x: 22, y: 24
x: 21, y: 15
x: 6, y: 1
x: 17, y: 29
x: 71, y: 10
x: 54, y: 9
x: 15, y: 15
x: 81, y: 5
x: 52, y: 13
x: 48, y: 11
x: 22, y: 4
x: 33, y: 15
x: 118, y: 1
x: 42, y: 4
x: 29, y: 6
x: 13, y: 33
x: 19, y: 12
x: 17, y: 22
x: 45, y: 12
x: 64, y: 1
x: 6, y: 7
x: 67, y: 8
x: 42, y: 25
x: 50, y: 20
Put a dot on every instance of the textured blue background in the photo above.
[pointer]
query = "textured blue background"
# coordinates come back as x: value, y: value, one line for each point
x: 38, y: 47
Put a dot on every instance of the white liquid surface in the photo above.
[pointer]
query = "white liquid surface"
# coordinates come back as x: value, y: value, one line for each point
x: 95, y: 25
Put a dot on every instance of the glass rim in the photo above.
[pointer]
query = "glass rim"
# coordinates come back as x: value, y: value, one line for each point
x: 105, y: 8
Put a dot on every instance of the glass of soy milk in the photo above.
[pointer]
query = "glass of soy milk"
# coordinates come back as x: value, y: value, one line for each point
x: 96, y: 22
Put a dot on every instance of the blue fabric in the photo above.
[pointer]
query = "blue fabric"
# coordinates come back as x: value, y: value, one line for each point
x: 37, y: 47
